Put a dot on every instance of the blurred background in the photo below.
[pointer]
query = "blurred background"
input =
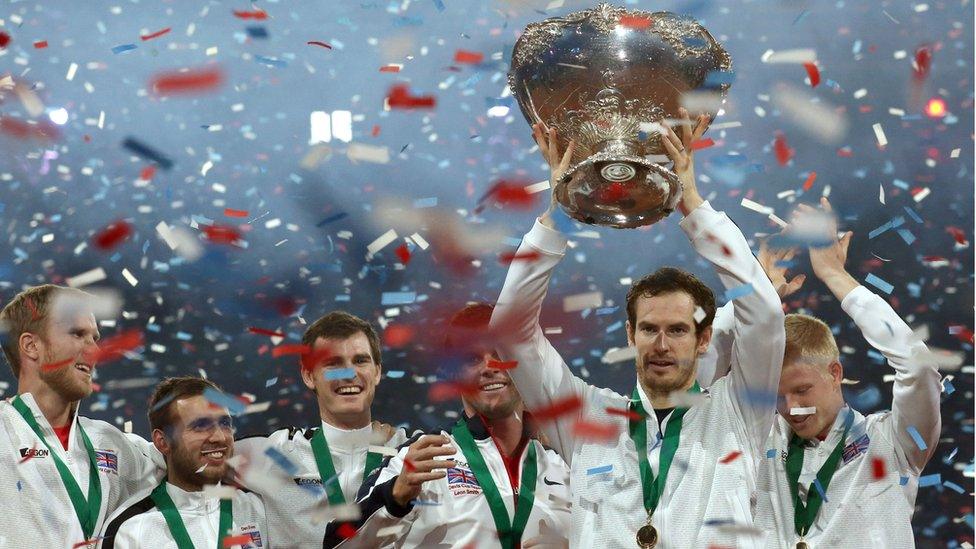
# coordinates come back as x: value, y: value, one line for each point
x: 229, y: 205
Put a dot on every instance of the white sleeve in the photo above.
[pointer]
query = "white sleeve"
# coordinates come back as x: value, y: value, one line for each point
x: 758, y: 330
x: 717, y: 360
x: 542, y: 377
x: 148, y: 464
x: 917, y: 387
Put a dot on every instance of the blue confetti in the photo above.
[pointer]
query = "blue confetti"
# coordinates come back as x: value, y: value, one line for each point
x: 332, y: 218
x: 395, y: 374
x: 142, y: 150
x: 738, y: 291
x: 947, y: 387
x: 425, y: 202
x: 340, y: 373
x: 271, y: 382
x: 820, y: 490
x: 930, y: 480
x: 398, y: 298
x: 953, y: 486
x: 902, y: 481
x: 236, y: 407
x: 281, y: 461
x: 257, y: 32
x: 879, y: 283
x: 907, y: 236
x: 771, y: 453
x: 913, y: 215
x: 599, y: 470
x: 951, y: 457
x: 270, y: 61
x: 439, y: 4
x: 123, y: 48
x: 429, y: 503
x: 917, y: 437
x: 715, y: 79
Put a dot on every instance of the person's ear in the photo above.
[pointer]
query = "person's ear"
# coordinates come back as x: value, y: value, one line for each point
x: 836, y: 372
x: 29, y: 346
x: 379, y: 373
x: 161, y: 442
x: 630, y: 334
x: 704, y: 338
x: 308, y: 376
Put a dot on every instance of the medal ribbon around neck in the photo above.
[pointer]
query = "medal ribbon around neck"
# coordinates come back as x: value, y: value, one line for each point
x: 653, y: 486
x: 327, y: 470
x: 804, y: 515
x: 509, y: 531
x: 86, y: 509
x: 175, y: 523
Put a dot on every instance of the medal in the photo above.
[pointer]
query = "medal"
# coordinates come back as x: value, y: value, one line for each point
x: 647, y: 536
x: 802, y: 545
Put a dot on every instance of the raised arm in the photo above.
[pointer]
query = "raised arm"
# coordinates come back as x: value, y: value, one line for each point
x: 917, y: 388
x: 542, y: 376
x: 758, y: 333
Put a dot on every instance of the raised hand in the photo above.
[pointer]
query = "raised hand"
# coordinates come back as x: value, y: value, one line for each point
x: 680, y: 151
x: 772, y: 261
x: 828, y: 260
x: 548, y: 143
x: 419, y: 466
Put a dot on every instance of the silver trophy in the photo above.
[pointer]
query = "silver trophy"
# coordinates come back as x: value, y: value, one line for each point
x: 605, y: 77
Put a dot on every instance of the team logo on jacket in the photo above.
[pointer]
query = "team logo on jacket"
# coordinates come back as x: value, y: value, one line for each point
x: 31, y: 453
x: 250, y: 537
x: 462, y: 481
x: 856, y: 448
x: 107, y: 461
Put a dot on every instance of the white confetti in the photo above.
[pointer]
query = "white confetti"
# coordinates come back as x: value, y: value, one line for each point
x: 88, y: 277
x: 579, y: 302
x: 72, y: 69
x: 808, y: 411
x: 756, y: 207
x: 129, y: 277
x: 368, y: 153
x: 880, y: 135
x: 383, y: 241
x: 541, y: 186
x: 383, y: 450
x: 619, y: 354
x: 799, y: 55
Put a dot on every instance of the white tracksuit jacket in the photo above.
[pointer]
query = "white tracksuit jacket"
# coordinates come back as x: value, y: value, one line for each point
x: 295, y: 500
x: 705, y: 502
x: 452, y: 512
x: 861, y: 510
x: 35, y: 510
x: 139, y: 523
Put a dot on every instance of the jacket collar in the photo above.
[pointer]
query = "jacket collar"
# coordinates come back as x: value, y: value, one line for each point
x: 479, y: 430
x: 46, y: 426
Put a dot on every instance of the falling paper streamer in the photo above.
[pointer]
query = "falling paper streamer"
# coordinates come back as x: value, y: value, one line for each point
x: 807, y: 411
x: 810, y: 114
x: 579, y: 302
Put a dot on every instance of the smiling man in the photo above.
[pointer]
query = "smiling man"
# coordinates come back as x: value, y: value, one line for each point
x: 487, y: 483
x: 307, y: 476
x: 686, y: 458
x: 69, y: 472
x: 197, y: 439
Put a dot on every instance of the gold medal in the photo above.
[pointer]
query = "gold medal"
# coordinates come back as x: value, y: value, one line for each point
x: 647, y: 536
x: 802, y: 545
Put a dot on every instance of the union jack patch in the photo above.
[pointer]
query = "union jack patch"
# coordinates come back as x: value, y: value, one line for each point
x: 461, y: 477
x: 856, y: 448
x: 107, y: 460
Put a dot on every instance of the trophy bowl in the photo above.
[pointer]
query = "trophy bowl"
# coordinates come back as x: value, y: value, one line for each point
x: 606, y: 78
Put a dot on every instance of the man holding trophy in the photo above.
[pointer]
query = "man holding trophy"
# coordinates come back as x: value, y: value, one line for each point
x: 680, y: 470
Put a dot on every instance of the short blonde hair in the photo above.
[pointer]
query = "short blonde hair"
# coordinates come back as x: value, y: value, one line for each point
x: 27, y: 312
x: 809, y: 339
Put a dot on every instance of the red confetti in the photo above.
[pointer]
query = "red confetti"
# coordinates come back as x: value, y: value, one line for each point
x: 923, y: 62
x: 509, y: 193
x: 845, y: 152
x: 733, y: 455
x: 783, y: 151
x: 702, y: 144
x: 147, y: 173
x: 469, y: 57
x: 558, y: 409
x: 629, y: 414
x: 449, y: 390
x: 241, y: 540
x: 115, y: 347
x: 58, y: 364
x: 156, y: 34
x: 400, y: 98
x: 256, y: 14
x: 958, y: 235
x: 813, y: 73
x: 509, y: 257
x: 194, y: 81
x: 636, y: 22
x: 595, y: 431
x: 293, y: 349
x: 313, y: 359
x: 221, y: 234
x: 4, y: 39
x: 961, y: 333
x: 403, y: 253
x: 18, y: 129
x: 809, y: 182
x: 877, y: 468
x: 346, y: 530
x: 40, y: 44
x: 318, y: 43
x: 398, y: 335
x: 502, y: 364
x: 263, y: 331
x: 112, y: 236
x: 230, y: 212
x: 376, y: 130
x: 390, y: 68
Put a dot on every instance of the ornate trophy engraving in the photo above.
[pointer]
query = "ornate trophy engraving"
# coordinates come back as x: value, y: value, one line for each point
x: 603, y: 77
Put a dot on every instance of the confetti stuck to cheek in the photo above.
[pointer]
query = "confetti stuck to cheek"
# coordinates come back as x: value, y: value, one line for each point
x: 808, y: 411
x: 340, y: 373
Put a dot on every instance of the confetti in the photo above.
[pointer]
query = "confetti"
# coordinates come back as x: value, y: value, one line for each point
x: 919, y: 441
x: 318, y: 43
x: 187, y: 82
x: 599, y: 470
x: 340, y: 373
x: 813, y: 73
x: 112, y: 235
x: 929, y: 480
x: 399, y: 97
x: 878, y: 468
x: 122, y: 48
x: 879, y: 283
x: 809, y: 410
x: 88, y: 277
x: 738, y: 292
x: 732, y: 456
x: 558, y: 408
x: 142, y: 150
x: 223, y: 400
x: 156, y: 34
x: 468, y: 57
